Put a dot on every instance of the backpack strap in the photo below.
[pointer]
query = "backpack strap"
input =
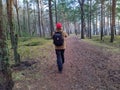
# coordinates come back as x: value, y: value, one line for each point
x: 60, y: 32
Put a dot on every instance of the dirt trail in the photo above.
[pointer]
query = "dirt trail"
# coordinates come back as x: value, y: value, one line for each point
x: 86, y: 67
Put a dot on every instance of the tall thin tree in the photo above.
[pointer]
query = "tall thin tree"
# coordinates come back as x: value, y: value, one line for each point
x: 90, y: 17
x: 102, y: 5
x: 81, y: 3
x: 55, y: 11
x: 51, y: 19
x: 28, y: 14
x: 113, y: 20
x: 39, y: 21
x: 6, y: 82
x: 13, y: 37
x: 17, y: 11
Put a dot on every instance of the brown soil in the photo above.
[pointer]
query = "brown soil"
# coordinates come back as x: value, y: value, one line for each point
x: 86, y: 67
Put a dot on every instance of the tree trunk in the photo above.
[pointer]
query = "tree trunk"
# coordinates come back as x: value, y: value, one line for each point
x: 42, y: 18
x: 34, y: 23
x: 55, y: 12
x: 13, y: 37
x: 88, y: 22
x: 104, y: 24
x: 39, y: 24
x: 113, y: 20
x: 28, y: 13
x: 102, y: 4
x: 16, y: 7
x: 19, y: 31
x: 6, y: 82
x: 93, y: 24
x: 81, y: 3
x: 51, y: 19
x: 9, y: 14
x: 24, y: 19
x: 68, y: 30
x: 96, y: 23
x: 90, y: 18
x: 107, y: 28
x: 110, y: 15
x: 118, y: 27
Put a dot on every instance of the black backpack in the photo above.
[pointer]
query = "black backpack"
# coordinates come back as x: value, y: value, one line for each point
x: 58, y: 39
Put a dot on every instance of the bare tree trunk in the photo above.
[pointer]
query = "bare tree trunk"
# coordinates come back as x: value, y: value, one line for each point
x: 119, y: 27
x: 18, y: 24
x: 39, y: 24
x: 102, y: 4
x: 90, y: 18
x: 88, y: 22
x: 96, y: 23
x: 108, y: 24
x: 42, y: 18
x: 55, y: 12
x: 14, y: 38
x: 81, y: 3
x: 24, y: 21
x: 110, y: 15
x: 104, y: 31
x: 16, y: 7
x: 93, y: 24
x: 113, y: 20
x: 9, y: 14
x: 34, y: 23
x: 6, y: 82
x: 68, y: 26
x: 28, y: 13
x: 51, y: 19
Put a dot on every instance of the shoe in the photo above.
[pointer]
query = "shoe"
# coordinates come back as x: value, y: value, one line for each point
x: 60, y: 72
x: 62, y: 62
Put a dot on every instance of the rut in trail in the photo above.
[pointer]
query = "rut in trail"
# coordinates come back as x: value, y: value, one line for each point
x: 86, y: 67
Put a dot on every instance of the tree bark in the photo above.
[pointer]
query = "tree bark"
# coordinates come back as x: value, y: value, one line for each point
x: 13, y: 37
x: 102, y: 4
x: 6, y: 82
x: 96, y: 23
x: 113, y: 20
x: 17, y: 11
x: 90, y: 18
x: 39, y: 23
x: 28, y: 13
x: 51, y: 19
x: 81, y: 3
x: 55, y: 12
x: 24, y: 19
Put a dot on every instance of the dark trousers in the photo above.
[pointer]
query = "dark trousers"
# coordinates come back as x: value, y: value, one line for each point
x: 60, y: 58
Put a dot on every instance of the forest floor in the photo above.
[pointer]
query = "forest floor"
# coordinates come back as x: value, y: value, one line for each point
x: 86, y: 67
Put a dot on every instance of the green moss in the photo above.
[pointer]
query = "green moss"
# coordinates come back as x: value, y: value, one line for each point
x: 23, y: 39
x: 33, y: 44
x: 106, y: 40
x: 114, y: 47
x: 17, y: 76
x: 30, y: 47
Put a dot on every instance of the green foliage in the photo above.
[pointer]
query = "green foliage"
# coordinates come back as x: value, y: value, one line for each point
x: 23, y: 39
x: 32, y: 41
x: 106, y: 40
x: 30, y: 47
x: 17, y: 76
x: 105, y: 44
x: 33, y: 44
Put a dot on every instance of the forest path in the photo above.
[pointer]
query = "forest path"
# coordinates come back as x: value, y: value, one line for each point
x: 86, y: 67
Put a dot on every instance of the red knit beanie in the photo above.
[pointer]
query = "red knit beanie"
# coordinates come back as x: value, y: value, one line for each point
x: 58, y: 25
